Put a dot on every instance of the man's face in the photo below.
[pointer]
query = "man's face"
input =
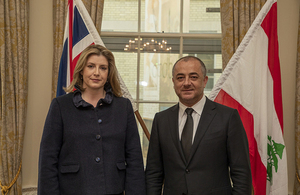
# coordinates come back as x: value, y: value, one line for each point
x: 189, y: 82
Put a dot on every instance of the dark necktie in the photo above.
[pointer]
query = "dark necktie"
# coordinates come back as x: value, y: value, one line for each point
x: 187, y: 133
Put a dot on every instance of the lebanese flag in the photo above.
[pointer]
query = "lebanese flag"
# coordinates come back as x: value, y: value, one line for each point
x: 251, y: 83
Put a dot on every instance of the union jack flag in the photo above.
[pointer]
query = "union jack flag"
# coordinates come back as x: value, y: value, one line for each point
x: 80, y: 32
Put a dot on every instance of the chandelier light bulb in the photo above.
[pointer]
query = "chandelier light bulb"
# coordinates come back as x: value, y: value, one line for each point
x: 153, y: 45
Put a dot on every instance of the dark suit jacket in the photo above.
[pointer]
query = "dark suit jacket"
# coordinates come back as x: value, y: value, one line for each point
x: 219, y: 152
x: 86, y: 150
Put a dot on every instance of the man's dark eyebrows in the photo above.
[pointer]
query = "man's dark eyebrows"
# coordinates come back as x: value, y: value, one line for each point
x: 194, y: 73
x: 179, y: 74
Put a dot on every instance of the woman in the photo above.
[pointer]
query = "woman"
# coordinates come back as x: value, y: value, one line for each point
x: 90, y: 143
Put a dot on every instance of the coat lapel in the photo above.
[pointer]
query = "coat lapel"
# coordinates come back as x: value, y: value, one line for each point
x: 174, y: 129
x: 207, y: 116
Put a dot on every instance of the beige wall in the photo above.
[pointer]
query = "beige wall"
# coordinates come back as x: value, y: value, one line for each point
x: 39, y: 85
x: 288, y: 16
x: 40, y: 75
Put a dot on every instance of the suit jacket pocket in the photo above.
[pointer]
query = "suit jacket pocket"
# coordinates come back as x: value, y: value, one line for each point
x: 121, y: 165
x: 69, y: 168
x: 117, y: 177
x: 226, y: 190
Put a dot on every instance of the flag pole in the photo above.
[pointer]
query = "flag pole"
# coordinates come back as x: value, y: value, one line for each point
x: 142, y: 123
x: 127, y: 94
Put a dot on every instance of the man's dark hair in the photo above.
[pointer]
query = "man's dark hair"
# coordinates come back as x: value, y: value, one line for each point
x: 187, y: 58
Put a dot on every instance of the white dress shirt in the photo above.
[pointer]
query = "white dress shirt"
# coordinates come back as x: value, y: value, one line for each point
x: 198, y: 107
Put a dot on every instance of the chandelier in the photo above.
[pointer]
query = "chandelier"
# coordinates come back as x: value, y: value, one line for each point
x: 148, y: 45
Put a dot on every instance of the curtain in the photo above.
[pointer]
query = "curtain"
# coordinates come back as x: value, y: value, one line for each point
x: 236, y: 18
x: 297, y: 121
x: 95, y: 9
x: 14, y: 26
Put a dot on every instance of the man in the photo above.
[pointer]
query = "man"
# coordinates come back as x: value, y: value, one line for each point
x: 208, y: 157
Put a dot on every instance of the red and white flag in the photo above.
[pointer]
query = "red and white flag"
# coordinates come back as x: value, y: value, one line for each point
x: 251, y: 83
x: 80, y: 32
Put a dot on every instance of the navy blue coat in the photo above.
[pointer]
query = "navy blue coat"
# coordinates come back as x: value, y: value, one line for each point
x: 87, y: 150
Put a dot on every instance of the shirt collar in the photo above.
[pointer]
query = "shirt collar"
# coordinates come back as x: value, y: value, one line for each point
x: 198, y: 107
x: 78, y: 101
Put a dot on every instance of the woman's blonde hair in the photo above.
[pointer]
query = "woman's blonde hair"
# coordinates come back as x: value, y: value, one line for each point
x: 112, y: 70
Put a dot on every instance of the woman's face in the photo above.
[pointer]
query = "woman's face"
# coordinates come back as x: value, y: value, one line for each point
x: 95, y: 73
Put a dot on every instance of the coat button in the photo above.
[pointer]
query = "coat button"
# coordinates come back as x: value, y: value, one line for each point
x: 187, y: 171
x: 97, y: 159
x: 99, y: 120
x: 98, y: 137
